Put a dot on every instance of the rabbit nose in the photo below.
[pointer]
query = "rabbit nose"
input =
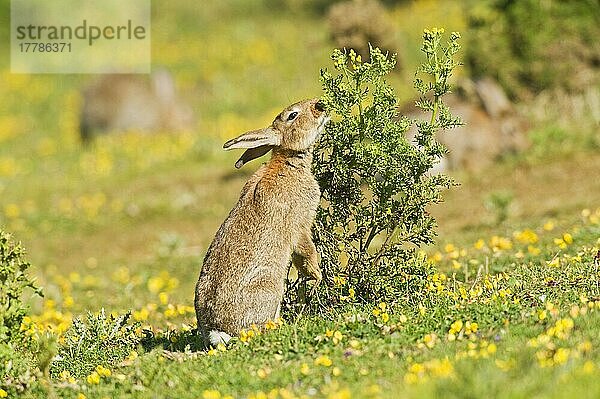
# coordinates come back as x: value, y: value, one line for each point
x: 320, y: 106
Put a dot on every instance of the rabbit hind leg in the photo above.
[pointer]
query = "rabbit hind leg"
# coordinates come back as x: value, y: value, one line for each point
x: 264, y: 304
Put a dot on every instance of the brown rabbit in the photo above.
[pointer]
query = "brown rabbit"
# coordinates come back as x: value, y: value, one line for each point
x: 493, y: 127
x: 115, y: 103
x: 243, y: 275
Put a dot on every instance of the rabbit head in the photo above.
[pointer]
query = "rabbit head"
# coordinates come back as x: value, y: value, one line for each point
x: 296, y: 128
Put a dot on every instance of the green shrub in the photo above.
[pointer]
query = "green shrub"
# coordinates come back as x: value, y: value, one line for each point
x: 17, y: 369
x: 375, y: 184
x: 499, y: 203
x: 13, y: 282
x: 100, y: 340
x: 532, y: 45
x: 17, y: 362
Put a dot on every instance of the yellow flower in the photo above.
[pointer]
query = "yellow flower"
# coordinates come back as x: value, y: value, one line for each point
x: 542, y: 314
x: 65, y: 375
x: 102, y: 371
x: 436, y: 257
x: 270, y: 325
x: 549, y: 225
x: 262, y: 373
x: 561, y: 356
x: 441, y: 368
x: 81, y: 396
x: 526, y: 236
x: 337, y: 337
x: 93, y: 378
x: 339, y: 281
x: 211, y: 394
x: 171, y: 311
x: 589, y: 367
x: 141, y: 315
x: 304, y: 369
x: 323, y: 360
x: 429, y: 340
x: 449, y: 248
x: 456, y: 326
x: 68, y: 302
x: 336, y: 372
x: 471, y: 327
x: 416, y: 368
x: 163, y: 298
x: 12, y: 211
x: 479, y: 244
x: 560, y: 243
x: 3, y: 393
x: 500, y: 243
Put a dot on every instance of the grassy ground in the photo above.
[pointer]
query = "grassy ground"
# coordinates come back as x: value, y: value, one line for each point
x: 509, y: 308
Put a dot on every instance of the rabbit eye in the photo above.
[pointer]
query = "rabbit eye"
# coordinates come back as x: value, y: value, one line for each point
x: 292, y: 116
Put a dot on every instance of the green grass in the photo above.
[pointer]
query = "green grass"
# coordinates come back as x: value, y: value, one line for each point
x: 537, y: 317
x: 123, y: 226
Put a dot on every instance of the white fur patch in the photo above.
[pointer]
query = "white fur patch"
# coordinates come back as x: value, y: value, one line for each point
x: 218, y: 337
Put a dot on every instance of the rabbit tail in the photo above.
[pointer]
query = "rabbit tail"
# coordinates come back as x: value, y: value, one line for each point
x: 218, y: 337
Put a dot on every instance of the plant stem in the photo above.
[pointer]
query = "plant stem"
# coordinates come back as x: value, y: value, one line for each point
x: 361, y: 120
x: 436, y: 98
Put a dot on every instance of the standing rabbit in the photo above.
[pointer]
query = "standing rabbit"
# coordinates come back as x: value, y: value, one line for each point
x: 244, y: 271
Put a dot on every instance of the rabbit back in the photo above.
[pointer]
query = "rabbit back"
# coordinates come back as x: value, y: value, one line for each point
x: 243, y: 275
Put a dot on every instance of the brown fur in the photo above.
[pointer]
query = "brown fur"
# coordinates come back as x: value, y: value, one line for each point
x: 243, y: 275
x: 492, y: 127
x: 116, y: 103
x: 353, y: 24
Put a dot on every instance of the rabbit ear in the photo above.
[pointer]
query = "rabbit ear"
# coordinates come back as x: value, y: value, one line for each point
x: 252, y: 153
x: 255, y: 138
x: 257, y: 142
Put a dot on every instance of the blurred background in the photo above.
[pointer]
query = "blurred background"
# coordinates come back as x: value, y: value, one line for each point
x: 117, y: 183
